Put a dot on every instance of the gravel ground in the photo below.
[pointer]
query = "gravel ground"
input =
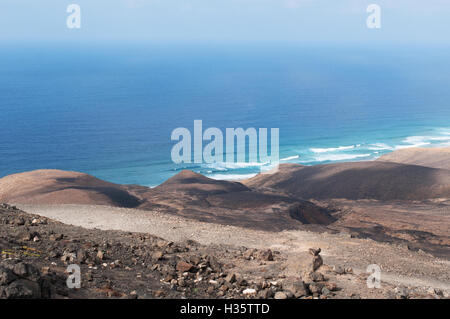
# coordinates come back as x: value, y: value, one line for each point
x: 399, y: 265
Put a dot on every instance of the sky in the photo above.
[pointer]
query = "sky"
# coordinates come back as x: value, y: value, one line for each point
x: 227, y: 21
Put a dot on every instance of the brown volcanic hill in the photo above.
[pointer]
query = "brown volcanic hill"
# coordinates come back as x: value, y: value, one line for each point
x: 430, y: 157
x: 62, y: 187
x: 190, y: 182
x: 186, y: 194
x: 195, y: 196
x: 357, y: 180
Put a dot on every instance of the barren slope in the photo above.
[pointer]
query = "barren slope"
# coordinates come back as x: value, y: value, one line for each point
x: 430, y: 157
x: 63, y: 187
x: 357, y: 180
x: 195, y: 196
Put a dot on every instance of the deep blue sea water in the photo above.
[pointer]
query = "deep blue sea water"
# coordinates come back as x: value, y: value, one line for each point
x: 109, y: 110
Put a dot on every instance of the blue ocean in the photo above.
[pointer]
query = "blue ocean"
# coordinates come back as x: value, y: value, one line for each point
x: 109, y: 110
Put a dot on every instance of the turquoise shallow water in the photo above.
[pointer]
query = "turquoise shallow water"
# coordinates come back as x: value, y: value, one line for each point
x: 109, y: 111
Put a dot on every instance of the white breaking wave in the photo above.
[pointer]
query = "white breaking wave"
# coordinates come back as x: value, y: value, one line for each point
x: 417, y: 141
x: 339, y: 157
x: 379, y: 147
x: 445, y: 131
x: 331, y: 149
x: 440, y: 138
x: 290, y: 158
x: 400, y: 147
x: 232, y: 177
x: 223, y: 166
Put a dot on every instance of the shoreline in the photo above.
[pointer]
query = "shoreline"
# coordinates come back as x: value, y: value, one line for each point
x: 222, y: 176
x: 339, y: 154
x: 385, y: 155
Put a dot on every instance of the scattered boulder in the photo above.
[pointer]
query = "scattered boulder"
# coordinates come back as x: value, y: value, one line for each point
x: 265, y: 255
x: 249, y: 292
x: 56, y: 237
x: 326, y: 291
x: 184, y: 266
x: 297, y: 287
x: 315, y: 251
x: 280, y: 295
x: 248, y: 254
x: 27, y: 237
x: 213, y: 264
x: 265, y: 293
x: 241, y: 281
x: 435, y: 292
x: 315, y: 288
x: 68, y: 257
x: 100, y: 255
x: 331, y: 286
x: 157, y: 255
x: 6, y: 276
x: 81, y: 255
x: 19, y: 221
x: 231, y: 278
x: 338, y: 270
x: 19, y: 280
x: 317, y: 259
x: 401, y: 292
x: 181, y: 282
x: 316, y: 276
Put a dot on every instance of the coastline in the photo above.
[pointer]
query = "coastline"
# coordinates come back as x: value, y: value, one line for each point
x: 388, y: 156
x: 357, y: 152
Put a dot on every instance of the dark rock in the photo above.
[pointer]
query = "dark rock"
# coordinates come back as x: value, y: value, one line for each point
x: 19, y: 280
x: 19, y: 221
x: 184, y: 266
x: 326, y: 291
x: 81, y: 255
x: 181, y: 282
x: 266, y: 255
x: 195, y: 260
x: 240, y: 281
x: 56, y: 237
x: 316, y: 276
x: 157, y: 255
x: 27, y: 237
x: 297, y: 287
x: 331, y: 286
x: 6, y: 276
x: 317, y: 262
x: 401, y: 292
x: 214, y: 264
x: 265, y: 293
x: 280, y: 295
x: 315, y: 288
x: 231, y: 278
x: 339, y: 270
x: 248, y: 254
x: 27, y: 271
x: 89, y: 276
x: 22, y: 289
